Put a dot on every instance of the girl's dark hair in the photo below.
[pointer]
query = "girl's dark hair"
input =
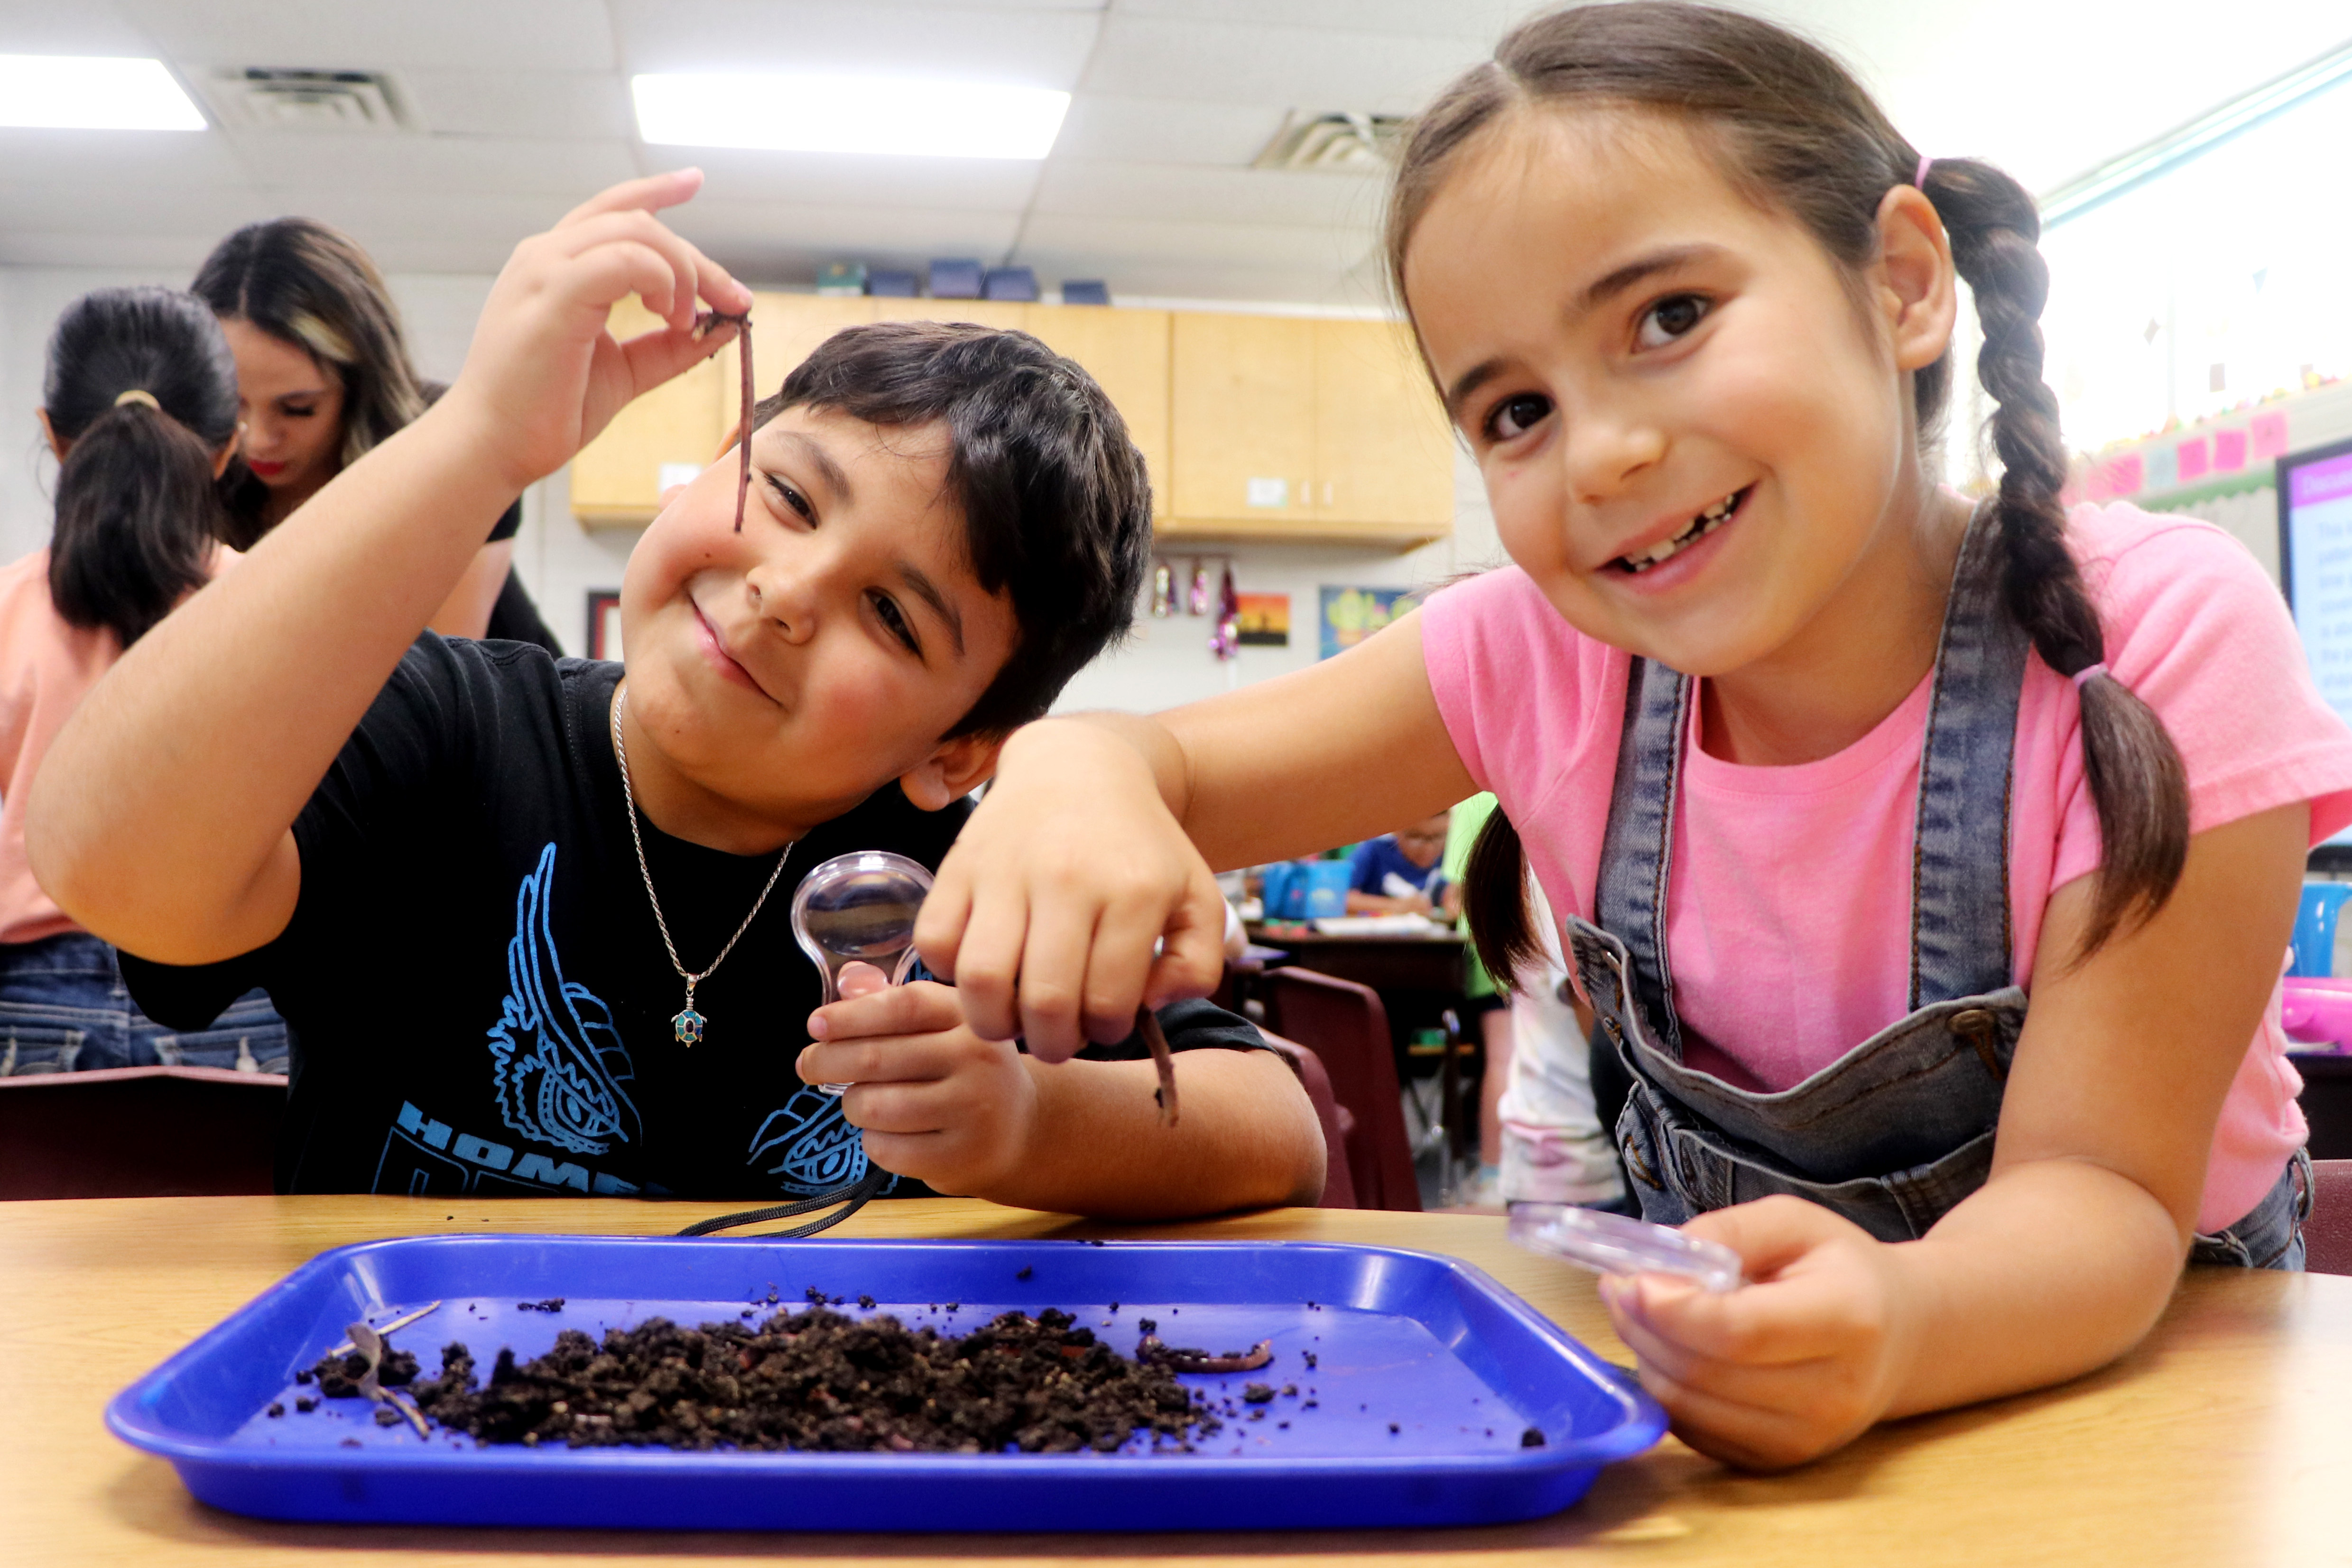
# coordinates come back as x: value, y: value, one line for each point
x: 313, y: 287
x: 1056, y: 501
x: 137, y: 516
x: 1796, y: 133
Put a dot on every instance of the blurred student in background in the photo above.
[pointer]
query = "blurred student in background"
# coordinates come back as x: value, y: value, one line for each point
x: 323, y: 374
x: 1402, y: 873
x: 140, y: 405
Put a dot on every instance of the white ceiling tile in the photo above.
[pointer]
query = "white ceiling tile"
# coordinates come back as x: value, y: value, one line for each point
x: 361, y: 35
x: 2096, y: 80
x: 1121, y: 240
x: 1483, y: 20
x: 83, y: 28
x: 156, y: 209
x: 1085, y: 187
x: 783, y: 242
x: 473, y: 165
x: 1166, y: 129
x: 519, y: 103
x: 104, y: 165
x: 1016, y: 46
x: 1148, y: 57
x: 854, y: 180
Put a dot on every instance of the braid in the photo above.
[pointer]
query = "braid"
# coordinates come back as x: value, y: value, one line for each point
x: 2134, y: 770
x: 1495, y: 902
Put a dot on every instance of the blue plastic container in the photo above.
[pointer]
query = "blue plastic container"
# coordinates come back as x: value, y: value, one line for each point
x: 1326, y: 888
x: 2315, y: 927
x: 1427, y: 1374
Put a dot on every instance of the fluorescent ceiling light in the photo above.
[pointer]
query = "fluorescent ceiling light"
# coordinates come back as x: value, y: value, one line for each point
x: 849, y: 114
x: 81, y: 93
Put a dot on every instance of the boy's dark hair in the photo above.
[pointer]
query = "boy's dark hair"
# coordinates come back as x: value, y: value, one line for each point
x: 1057, y: 503
x: 311, y: 287
x: 1794, y: 131
x: 137, y: 516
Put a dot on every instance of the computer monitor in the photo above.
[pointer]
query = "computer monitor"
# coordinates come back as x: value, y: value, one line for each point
x: 2314, y: 505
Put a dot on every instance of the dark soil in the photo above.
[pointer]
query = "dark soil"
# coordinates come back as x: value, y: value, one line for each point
x: 813, y: 1380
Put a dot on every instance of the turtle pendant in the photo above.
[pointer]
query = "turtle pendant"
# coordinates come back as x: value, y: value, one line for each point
x: 687, y: 1026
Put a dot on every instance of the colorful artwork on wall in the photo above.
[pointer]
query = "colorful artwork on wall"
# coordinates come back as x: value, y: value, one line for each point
x: 1348, y: 615
x: 1263, y: 620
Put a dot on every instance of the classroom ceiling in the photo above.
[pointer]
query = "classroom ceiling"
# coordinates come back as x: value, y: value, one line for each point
x: 520, y: 108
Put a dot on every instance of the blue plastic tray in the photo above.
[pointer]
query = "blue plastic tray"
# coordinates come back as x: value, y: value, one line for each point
x: 1460, y: 1365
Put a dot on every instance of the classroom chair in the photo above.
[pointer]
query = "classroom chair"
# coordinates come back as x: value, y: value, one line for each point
x: 1346, y: 1027
x: 139, y: 1132
x: 1338, y: 1181
x: 2327, y: 1234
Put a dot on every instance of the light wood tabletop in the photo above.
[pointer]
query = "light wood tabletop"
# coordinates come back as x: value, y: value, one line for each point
x: 2214, y: 1443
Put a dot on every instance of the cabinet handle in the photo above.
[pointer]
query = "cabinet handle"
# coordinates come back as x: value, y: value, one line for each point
x: 1326, y: 492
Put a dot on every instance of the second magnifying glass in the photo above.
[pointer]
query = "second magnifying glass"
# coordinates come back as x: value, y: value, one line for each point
x: 860, y: 909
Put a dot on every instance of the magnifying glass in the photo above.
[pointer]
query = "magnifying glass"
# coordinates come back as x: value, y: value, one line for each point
x: 860, y: 909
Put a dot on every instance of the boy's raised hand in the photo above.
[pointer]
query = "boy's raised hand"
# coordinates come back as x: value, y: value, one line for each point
x: 937, y: 1102
x: 543, y: 375
x: 1046, y: 911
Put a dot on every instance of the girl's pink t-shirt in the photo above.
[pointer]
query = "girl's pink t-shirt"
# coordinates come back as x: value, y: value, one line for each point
x: 47, y: 667
x: 1788, y: 903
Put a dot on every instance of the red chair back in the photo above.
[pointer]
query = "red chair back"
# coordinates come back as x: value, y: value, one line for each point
x: 1346, y: 1027
x: 139, y: 1132
x: 1338, y: 1181
x: 2327, y: 1234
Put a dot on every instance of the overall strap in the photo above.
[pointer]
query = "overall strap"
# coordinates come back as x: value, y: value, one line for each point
x: 1961, y: 936
x: 1637, y: 852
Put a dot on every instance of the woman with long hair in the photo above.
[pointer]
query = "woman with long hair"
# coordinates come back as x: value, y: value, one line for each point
x: 323, y: 374
x: 140, y: 405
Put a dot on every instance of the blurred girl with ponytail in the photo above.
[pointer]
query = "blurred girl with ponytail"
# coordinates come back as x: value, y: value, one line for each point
x: 1928, y: 864
x: 140, y: 405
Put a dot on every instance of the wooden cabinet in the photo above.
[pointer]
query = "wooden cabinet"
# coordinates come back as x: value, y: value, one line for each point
x: 1243, y: 399
x: 1252, y: 427
x: 1290, y: 428
x: 1127, y: 352
x: 785, y: 330
x: 617, y: 479
x: 1383, y: 449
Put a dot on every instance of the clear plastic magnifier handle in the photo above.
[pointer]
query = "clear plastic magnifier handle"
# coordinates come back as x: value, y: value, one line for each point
x: 860, y: 909
x: 1614, y: 1243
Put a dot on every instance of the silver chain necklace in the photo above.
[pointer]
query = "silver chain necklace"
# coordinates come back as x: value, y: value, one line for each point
x: 688, y: 1025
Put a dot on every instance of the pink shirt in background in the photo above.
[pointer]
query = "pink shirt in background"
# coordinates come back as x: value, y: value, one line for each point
x: 47, y: 667
x: 1788, y: 904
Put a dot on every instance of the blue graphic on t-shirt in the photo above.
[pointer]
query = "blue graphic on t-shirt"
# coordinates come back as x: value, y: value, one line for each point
x: 815, y: 1147
x: 559, y: 1061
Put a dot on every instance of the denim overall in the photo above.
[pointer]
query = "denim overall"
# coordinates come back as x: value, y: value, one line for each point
x: 1900, y: 1129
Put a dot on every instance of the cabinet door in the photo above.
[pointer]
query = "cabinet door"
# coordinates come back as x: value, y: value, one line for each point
x: 785, y: 330
x: 1127, y: 352
x: 1244, y: 418
x: 1383, y: 450
x: 617, y: 479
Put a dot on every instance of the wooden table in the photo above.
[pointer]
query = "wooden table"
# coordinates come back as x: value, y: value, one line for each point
x: 1432, y: 963
x: 2214, y: 1444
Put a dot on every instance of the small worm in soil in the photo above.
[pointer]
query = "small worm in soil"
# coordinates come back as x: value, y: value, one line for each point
x: 703, y: 323
x: 1186, y: 1360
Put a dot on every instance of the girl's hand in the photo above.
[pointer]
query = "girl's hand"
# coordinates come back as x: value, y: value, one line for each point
x: 1784, y: 1369
x: 543, y: 374
x: 936, y: 1102
x: 1046, y: 912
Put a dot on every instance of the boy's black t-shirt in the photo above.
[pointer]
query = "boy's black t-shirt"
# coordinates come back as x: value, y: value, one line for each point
x: 477, y: 995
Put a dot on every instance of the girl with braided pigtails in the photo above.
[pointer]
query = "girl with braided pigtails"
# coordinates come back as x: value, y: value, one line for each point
x: 1929, y: 864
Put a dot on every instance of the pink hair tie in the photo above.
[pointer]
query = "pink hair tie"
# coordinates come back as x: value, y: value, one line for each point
x: 1920, y: 179
x: 2084, y: 674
